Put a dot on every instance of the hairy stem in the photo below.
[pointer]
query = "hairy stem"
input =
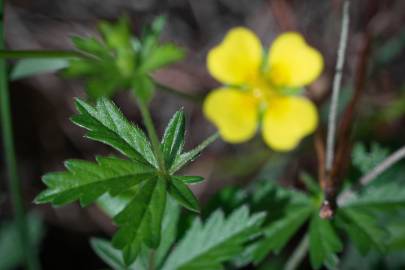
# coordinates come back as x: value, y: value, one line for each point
x: 337, y: 80
x: 31, y: 261
x: 298, y: 255
x: 150, y: 128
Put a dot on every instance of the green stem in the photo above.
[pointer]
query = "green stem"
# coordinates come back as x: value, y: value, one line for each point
x: 38, y: 54
x: 151, y: 263
x: 31, y: 261
x: 298, y: 255
x: 150, y: 128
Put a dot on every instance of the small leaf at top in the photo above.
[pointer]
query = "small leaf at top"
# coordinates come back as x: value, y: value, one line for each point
x: 161, y: 56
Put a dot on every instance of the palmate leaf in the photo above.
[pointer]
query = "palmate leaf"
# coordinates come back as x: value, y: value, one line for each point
x: 207, y: 246
x: 139, y: 180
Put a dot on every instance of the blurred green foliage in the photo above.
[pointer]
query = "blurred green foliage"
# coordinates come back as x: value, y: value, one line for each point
x: 120, y: 61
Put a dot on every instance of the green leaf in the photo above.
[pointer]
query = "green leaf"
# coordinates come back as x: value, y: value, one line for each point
x: 324, y: 243
x: 90, y: 46
x: 189, y: 180
x: 362, y: 228
x: 390, y: 196
x: 30, y: 67
x: 179, y: 191
x: 173, y: 138
x: 110, y: 255
x: 161, y: 56
x: 117, y: 35
x: 140, y: 222
x: 278, y: 233
x: 110, y: 64
x: 144, y: 87
x: 169, y: 231
x: 183, y: 159
x: 10, y: 246
x: 366, y: 160
x: 113, y: 257
x: 114, y: 63
x: 396, y: 229
x: 111, y: 206
x: 86, y: 181
x: 106, y: 124
x: 311, y: 184
x: 208, y: 246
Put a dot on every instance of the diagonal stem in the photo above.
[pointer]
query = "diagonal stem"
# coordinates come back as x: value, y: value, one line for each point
x: 298, y: 255
x: 337, y: 80
x: 31, y: 261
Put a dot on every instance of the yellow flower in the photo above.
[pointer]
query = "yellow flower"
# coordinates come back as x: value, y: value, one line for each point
x: 257, y: 90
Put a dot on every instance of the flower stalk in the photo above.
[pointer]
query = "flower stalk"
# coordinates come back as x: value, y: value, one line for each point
x: 31, y: 262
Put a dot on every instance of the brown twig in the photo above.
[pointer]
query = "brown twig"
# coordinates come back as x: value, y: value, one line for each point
x: 344, y: 145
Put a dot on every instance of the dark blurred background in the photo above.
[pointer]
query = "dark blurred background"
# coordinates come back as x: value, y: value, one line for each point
x: 42, y: 105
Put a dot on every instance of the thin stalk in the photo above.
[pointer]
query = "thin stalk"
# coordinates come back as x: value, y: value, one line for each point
x: 298, y: 255
x: 151, y: 263
x: 31, y: 261
x: 337, y: 80
x: 38, y: 54
x: 150, y: 128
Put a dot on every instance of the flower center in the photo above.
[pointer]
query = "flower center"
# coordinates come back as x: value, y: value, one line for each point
x: 261, y: 89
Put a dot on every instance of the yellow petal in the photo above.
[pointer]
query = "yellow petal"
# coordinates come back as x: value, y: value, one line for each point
x: 287, y: 120
x: 237, y: 58
x: 292, y: 62
x: 234, y: 112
